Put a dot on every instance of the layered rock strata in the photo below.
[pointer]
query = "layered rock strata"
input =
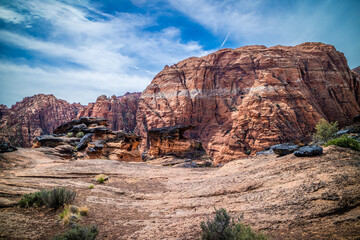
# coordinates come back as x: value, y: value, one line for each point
x: 246, y: 99
x: 120, y: 111
x: 34, y: 116
x: 171, y: 141
x: 90, y: 138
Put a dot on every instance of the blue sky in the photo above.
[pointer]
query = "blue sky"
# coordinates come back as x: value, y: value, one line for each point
x: 81, y: 49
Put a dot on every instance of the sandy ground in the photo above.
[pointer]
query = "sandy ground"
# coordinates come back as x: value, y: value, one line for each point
x: 286, y: 197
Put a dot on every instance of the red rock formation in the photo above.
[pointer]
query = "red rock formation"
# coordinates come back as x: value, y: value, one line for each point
x: 171, y: 141
x: 243, y: 100
x: 120, y: 111
x: 34, y: 116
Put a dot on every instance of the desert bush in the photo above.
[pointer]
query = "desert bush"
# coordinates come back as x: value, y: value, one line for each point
x: 223, y: 227
x: 83, y: 210
x: 101, y: 178
x: 72, y: 214
x: 344, y: 141
x: 78, y: 232
x: 91, y: 186
x: 69, y: 134
x: 57, y: 197
x: 325, y: 131
x: 32, y: 199
x: 79, y: 134
x: 54, y: 198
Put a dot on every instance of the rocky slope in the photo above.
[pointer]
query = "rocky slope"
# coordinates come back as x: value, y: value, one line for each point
x: 41, y: 114
x: 246, y: 99
x: 120, y: 111
x: 288, y: 197
x: 34, y: 116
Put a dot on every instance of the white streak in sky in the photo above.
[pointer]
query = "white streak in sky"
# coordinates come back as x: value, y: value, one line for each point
x: 226, y: 38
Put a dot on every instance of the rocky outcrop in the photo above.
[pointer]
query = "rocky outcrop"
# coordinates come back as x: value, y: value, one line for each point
x: 34, y: 116
x: 40, y: 114
x: 90, y: 138
x: 246, y: 99
x: 169, y: 147
x: 120, y: 111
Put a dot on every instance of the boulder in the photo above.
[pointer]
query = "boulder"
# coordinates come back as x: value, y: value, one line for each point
x: 6, y: 147
x: 84, y: 141
x: 308, y: 151
x: 284, y: 148
x: 79, y: 127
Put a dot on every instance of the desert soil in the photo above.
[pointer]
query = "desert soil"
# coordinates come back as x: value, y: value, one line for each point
x: 286, y: 197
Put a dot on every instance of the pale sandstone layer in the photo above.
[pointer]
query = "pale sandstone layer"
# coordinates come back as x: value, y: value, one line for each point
x: 246, y: 99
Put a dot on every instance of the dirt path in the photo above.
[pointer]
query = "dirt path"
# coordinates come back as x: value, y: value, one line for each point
x: 287, y: 197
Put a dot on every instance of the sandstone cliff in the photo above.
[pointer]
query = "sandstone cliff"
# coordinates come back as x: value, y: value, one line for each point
x: 34, y: 116
x: 244, y: 100
x: 120, y: 111
x: 41, y: 114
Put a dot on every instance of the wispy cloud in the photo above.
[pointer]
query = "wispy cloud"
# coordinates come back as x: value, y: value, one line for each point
x: 279, y: 22
x: 10, y: 16
x: 110, y: 53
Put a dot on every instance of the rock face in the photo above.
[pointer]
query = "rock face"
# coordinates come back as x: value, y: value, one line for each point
x: 34, y: 116
x: 120, y: 111
x: 40, y: 114
x: 246, y: 99
x: 90, y: 138
x: 171, y: 141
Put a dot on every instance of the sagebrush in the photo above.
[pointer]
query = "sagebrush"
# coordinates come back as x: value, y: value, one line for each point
x: 223, y: 227
x: 53, y: 198
x: 78, y: 232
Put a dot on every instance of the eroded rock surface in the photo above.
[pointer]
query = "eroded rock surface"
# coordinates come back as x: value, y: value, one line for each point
x: 90, y: 138
x: 246, y: 99
x: 288, y: 197
x: 34, y: 116
x: 120, y: 111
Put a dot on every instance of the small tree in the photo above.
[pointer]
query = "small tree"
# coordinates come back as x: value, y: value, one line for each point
x: 325, y: 131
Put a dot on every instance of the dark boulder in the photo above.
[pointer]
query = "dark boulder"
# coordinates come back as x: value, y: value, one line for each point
x: 267, y: 152
x: 66, y: 127
x: 308, y: 151
x: 84, y: 141
x: 79, y: 127
x: 49, y: 141
x: 6, y: 147
x: 284, y: 148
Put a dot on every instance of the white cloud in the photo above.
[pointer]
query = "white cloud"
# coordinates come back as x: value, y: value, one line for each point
x: 10, y: 16
x: 116, y: 53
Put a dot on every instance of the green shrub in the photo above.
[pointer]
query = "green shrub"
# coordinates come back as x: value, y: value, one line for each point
x: 91, y: 186
x: 325, y: 131
x: 101, y: 178
x: 79, y: 134
x: 78, y: 232
x: 225, y: 228
x: 57, y: 197
x: 344, y: 141
x: 54, y: 198
x: 33, y: 199
x: 69, y: 134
